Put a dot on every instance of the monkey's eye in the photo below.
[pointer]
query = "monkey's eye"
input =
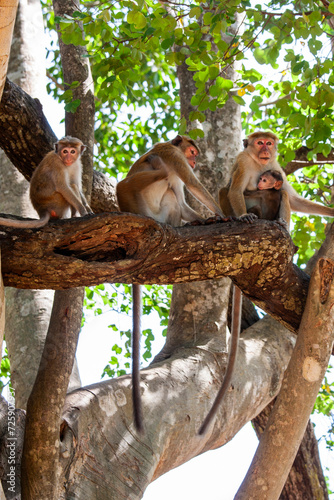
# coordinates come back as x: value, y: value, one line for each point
x: 73, y: 151
x: 269, y: 143
x: 260, y: 143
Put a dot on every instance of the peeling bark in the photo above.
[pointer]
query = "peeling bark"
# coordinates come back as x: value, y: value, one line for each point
x: 306, y: 480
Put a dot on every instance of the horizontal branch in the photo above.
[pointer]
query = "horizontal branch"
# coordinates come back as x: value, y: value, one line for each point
x: 126, y: 248
x: 301, y: 160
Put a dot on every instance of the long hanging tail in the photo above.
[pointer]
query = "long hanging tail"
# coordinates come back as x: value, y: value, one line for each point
x: 136, y: 334
x: 25, y: 224
x: 235, y: 330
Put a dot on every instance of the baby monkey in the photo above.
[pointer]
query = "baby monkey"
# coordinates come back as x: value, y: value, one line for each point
x: 266, y: 201
x: 55, y: 186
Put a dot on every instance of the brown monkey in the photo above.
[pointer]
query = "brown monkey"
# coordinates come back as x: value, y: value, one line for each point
x: 154, y: 184
x: 258, y: 156
x: 154, y: 187
x: 266, y: 202
x: 55, y: 186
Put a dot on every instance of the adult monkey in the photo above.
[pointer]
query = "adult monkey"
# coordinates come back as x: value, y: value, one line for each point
x: 154, y: 184
x: 154, y: 187
x: 55, y: 186
x: 258, y: 156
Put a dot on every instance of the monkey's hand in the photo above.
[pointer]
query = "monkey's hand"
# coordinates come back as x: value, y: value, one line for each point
x: 249, y: 218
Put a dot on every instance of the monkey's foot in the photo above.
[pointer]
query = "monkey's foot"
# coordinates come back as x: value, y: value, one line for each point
x: 249, y: 218
x: 211, y: 220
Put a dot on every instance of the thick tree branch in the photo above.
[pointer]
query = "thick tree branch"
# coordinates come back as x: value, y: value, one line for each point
x: 306, y: 479
x: 126, y: 248
x: 41, y: 443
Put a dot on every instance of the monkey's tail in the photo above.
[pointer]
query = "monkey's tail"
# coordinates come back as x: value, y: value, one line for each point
x: 235, y: 330
x: 25, y: 224
x: 136, y: 334
x: 305, y: 206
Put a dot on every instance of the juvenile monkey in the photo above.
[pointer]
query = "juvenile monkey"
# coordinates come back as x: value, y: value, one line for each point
x: 266, y: 202
x: 55, y: 186
x: 154, y: 187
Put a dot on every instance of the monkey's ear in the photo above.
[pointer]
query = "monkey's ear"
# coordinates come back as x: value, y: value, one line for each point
x: 245, y: 143
x: 177, y: 140
x: 56, y: 147
x: 83, y: 148
x: 278, y: 185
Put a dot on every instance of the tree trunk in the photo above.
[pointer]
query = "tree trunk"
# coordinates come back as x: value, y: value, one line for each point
x: 306, y: 480
x: 2, y: 309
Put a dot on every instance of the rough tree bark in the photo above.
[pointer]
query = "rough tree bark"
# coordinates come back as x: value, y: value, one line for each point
x: 40, y: 460
x: 133, y: 249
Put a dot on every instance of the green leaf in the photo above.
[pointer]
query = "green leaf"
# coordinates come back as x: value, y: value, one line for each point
x: 137, y: 18
x: 183, y: 126
x: 238, y: 100
x: 196, y: 133
x: 259, y: 55
x: 195, y: 12
x: 72, y: 106
x: 213, y: 72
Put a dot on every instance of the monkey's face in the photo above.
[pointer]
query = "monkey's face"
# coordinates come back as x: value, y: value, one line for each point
x: 265, y: 149
x: 190, y: 153
x: 269, y: 182
x: 266, y: 182
x: 68, y: 155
